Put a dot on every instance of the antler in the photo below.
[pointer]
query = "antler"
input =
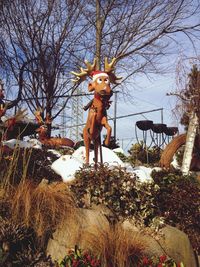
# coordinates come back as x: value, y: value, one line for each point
x: 81, y: 76
x: 110, y: 68
x: 38, y: 116
x: 21, y: 114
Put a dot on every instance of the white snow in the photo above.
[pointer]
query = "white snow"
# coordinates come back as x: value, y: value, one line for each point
x: 34, y: 143
x: 108, y: 156
x: 174, y: 163
x: 66, y: 166
x: 144, y: 173
x: 119, y: 150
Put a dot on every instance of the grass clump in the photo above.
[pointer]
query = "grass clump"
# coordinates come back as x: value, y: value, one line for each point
x: 26, y: 163
x: 42, y: 207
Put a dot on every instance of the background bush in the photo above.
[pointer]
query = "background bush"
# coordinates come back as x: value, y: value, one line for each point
x: 178, y: 201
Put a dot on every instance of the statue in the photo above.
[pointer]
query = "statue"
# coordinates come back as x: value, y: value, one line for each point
x: 97, y: 115
x: 43, y: 133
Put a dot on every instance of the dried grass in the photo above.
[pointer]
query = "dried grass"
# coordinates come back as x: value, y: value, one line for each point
x: 41, y: 207
x: 116, y: 247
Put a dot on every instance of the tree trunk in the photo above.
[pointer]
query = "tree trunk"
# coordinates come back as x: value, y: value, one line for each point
x: 189, y: 145
x: 98, y: 34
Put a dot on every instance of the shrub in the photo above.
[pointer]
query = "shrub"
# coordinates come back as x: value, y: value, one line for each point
x: 119, y: 190
x: 76, y: 258
x: 18, y: 246
x: 139, y: 154
x: 178, y: 201
x: 21, y: 163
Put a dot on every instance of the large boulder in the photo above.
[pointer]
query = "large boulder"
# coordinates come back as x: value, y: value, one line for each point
x: 77, y: 230
x: 171, y: 242
x: 86, y: 227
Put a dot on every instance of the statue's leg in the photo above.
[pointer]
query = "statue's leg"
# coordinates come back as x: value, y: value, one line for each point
x: 92, y: 121
x: 109, y: 130
x: 96, y: 144
x: 87, y: 142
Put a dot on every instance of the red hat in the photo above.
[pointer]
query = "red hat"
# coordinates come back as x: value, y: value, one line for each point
x: 98, y: 73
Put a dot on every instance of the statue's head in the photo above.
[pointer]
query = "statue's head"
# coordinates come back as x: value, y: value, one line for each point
x: 101, y: 80
x: 100, y: 83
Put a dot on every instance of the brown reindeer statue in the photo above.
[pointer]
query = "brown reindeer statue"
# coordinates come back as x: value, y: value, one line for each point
x: 97, y: 116
x: 43, y: 134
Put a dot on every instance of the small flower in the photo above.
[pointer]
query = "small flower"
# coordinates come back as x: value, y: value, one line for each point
x: 163, y: 258
x: 145, y: 260
x: 75, y: 263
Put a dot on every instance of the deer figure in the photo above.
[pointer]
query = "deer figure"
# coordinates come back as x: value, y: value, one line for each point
x: 97, y: 115
x: 10, y: 123
x: 43, y: 133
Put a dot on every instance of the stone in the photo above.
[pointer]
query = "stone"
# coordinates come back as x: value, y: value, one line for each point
x: 170, y: 242
x: 86, y: 227
x: 83, y: 225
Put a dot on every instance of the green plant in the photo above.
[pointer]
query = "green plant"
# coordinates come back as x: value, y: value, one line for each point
x: 141, y: 154
x: 77, y: 258
x: 161, y: 261
x: 20, y: 164
x: 119, y: 190
x: 18, y: 246
x: 178, y: 201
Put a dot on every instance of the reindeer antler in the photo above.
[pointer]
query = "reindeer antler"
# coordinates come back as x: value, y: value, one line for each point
x: 110, y: 68
x: 81, y: 76
x: 38, y: 116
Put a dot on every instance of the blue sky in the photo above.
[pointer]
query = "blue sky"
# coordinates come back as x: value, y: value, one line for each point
x: 148, y: 96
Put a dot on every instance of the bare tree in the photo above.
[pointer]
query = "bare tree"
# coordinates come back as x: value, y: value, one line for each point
x: 139, y: 33
x: 44, y: 33
x: 57, y: 35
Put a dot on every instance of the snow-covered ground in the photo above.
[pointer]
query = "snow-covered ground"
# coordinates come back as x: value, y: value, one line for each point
x: 26, y: 144
x: 67, y: 165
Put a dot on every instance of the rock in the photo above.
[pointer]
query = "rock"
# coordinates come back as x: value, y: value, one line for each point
x: 176, y: 244
x: 86, y: 228
x: 78, y: 230
x: 173, y: 243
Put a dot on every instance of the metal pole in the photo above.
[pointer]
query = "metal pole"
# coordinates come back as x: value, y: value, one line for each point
x: 115, y: 115
x: 161, y: 115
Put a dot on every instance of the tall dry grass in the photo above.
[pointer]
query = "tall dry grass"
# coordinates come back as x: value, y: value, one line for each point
x: 42, y: 207
x: 116, y: 246
x: 9, y: 164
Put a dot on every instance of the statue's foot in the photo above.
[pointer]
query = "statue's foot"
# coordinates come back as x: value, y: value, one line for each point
x: 106, y: 143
